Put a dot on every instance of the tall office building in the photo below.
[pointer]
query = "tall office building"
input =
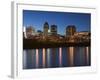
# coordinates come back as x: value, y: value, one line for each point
x: 70, y: 30
x: 30, y: 31
x: 45, y: 29
x: 24, y: 32
x: 39, y: 32
x: 54, y: 29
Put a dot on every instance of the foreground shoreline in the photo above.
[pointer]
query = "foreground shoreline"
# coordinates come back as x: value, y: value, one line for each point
x: 31, y: 44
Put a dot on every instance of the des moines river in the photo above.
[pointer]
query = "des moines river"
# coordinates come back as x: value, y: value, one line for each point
x: 56, y: 57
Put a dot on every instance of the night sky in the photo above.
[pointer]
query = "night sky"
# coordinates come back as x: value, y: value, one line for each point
x: 82, y: 21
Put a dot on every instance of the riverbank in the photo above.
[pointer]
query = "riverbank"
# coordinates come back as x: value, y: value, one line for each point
x: 31, y: 44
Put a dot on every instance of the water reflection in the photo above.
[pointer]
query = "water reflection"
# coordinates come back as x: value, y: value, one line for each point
x: 87, y: 55
x: 37, y: 58
x: 48, y: 57
x: 60, y: 57
x: 44, y: 57
x: 24, y: 59
x: 56, y: 57
x: 71, y: 56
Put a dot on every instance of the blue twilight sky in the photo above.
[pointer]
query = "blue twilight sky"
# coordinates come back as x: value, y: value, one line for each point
x: 82, y: 21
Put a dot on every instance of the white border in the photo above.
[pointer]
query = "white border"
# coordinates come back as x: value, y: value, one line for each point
x: 17, y: 23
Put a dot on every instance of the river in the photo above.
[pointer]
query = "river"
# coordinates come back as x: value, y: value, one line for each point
x: 56, y: 57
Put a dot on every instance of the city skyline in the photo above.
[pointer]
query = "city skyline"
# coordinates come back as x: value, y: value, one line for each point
x: 61, y: 19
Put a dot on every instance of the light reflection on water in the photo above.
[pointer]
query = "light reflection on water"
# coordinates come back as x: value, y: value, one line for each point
x: 44, y: 57
x: 71, y: 55
x: 56, y: 57
x: 37, y: 58
x: 60, y: 57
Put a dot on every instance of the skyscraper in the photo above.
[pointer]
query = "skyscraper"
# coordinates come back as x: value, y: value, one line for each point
x: 54, y: 29
x: 45, y: 29
x: 30, y: 31
x: 70, y: 30
x: 24, y: 32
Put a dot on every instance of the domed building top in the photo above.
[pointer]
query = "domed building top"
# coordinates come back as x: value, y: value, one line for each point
x: 46, y: 25
x: 70, y: 30
x: 71, y: 26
